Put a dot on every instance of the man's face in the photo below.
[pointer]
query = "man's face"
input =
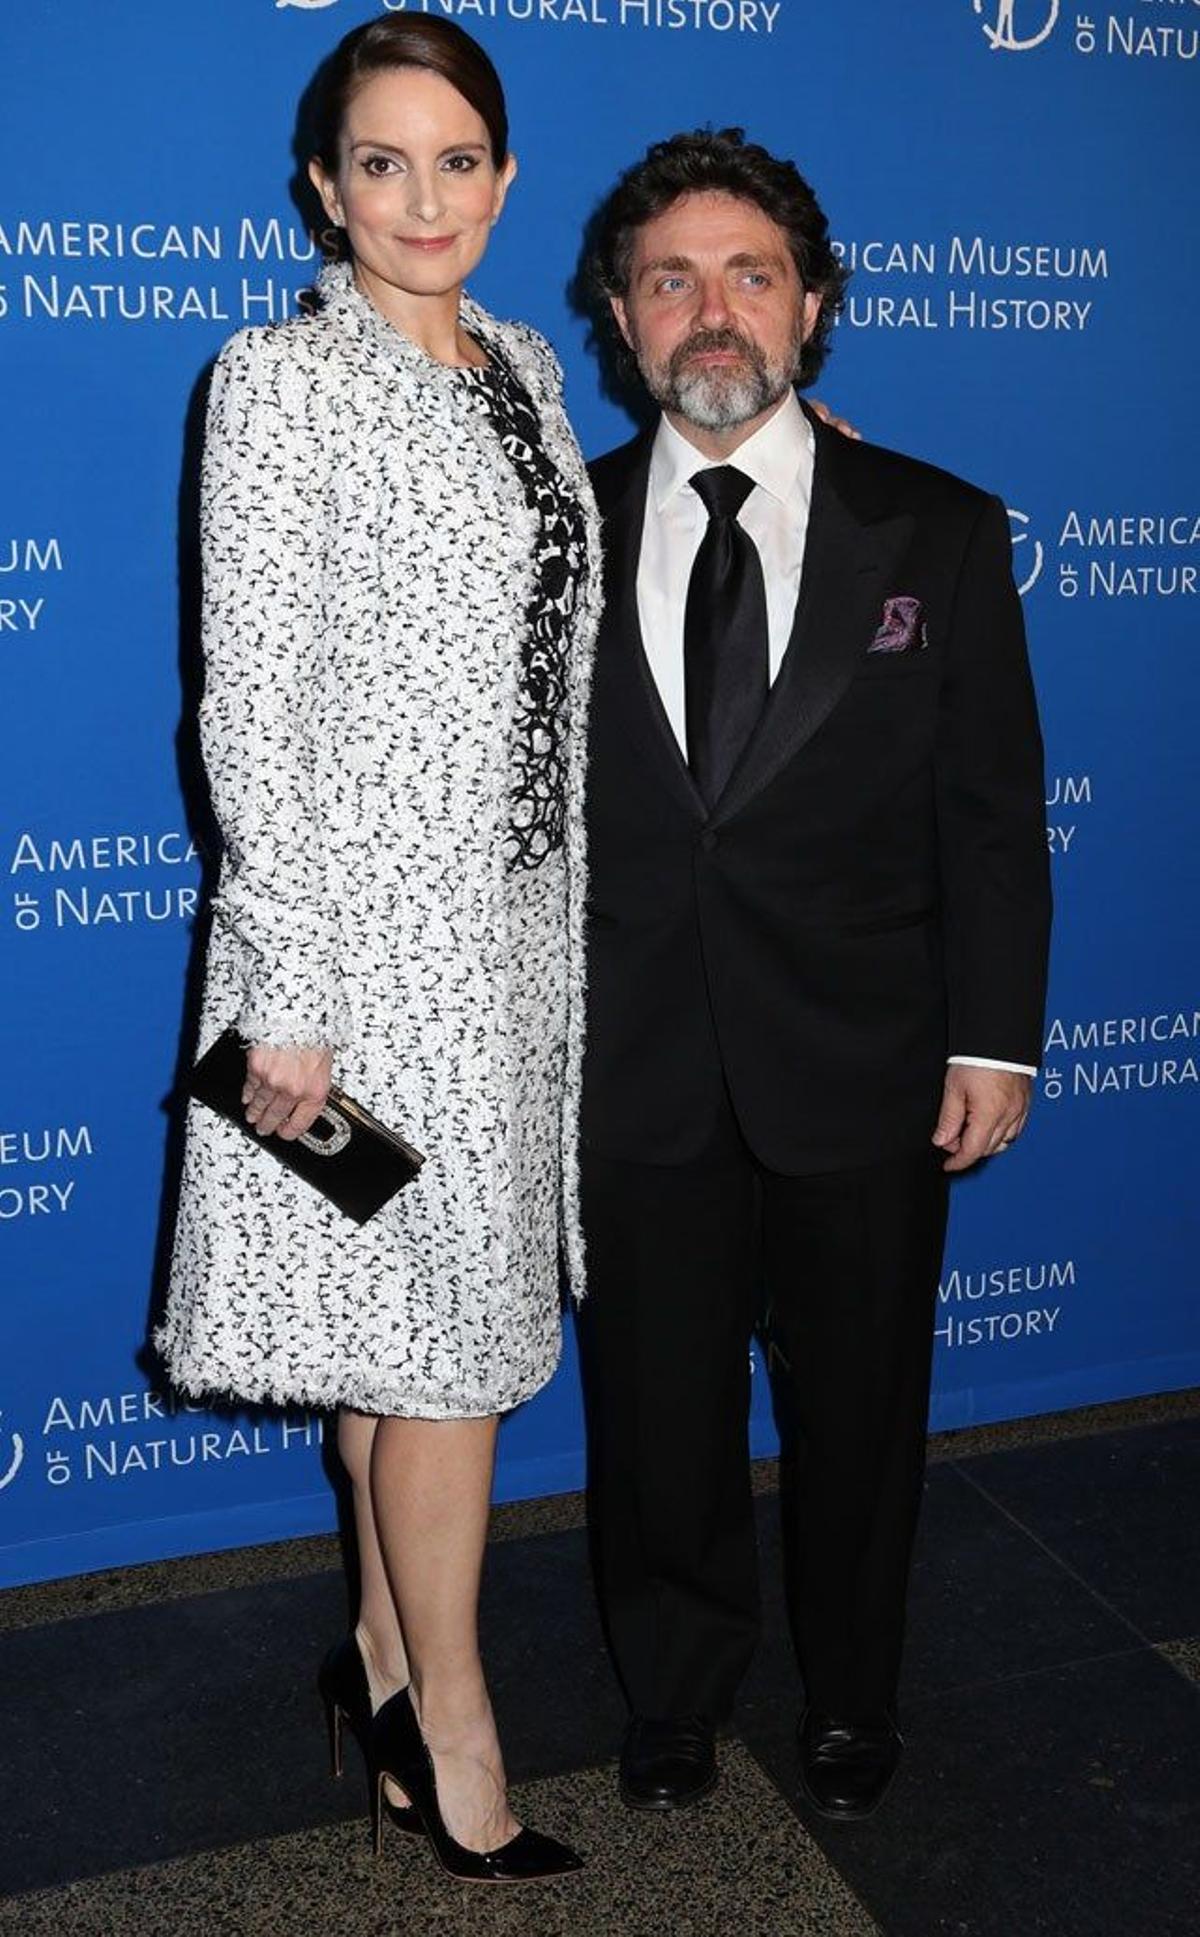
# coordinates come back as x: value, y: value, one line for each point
x: 715, y: 313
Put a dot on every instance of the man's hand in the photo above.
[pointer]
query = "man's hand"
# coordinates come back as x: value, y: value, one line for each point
x: 983, y: 1110
x: 835, y: 423
x: 285, y: 1088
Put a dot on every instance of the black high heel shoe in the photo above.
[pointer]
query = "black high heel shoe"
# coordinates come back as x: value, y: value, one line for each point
x: 346, y: 1694
x: 398, y: 1750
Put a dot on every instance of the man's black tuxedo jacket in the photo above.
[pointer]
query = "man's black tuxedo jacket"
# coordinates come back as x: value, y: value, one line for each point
x: 871, y: 891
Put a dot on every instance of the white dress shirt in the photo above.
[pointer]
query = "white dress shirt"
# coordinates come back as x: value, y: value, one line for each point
x: 779, y: 457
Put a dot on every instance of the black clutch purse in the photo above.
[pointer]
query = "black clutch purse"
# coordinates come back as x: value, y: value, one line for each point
x: 348, y: 1155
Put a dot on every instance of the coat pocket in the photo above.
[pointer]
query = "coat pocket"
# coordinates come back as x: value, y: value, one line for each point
x: 909, y: 664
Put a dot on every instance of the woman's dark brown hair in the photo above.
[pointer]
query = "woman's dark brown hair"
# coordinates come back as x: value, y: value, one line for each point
x: 404, y: 40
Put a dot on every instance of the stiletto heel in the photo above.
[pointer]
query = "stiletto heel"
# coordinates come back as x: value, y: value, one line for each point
x: 378, y: 1804
x: 333, y: 1727
x: 346, y: 1696
x: 399, y: 1750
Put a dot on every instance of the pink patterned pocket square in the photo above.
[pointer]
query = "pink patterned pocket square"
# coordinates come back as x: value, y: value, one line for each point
x: 903, y: 628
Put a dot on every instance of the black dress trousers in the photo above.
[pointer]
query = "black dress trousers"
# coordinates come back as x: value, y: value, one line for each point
x: 681, y: 1257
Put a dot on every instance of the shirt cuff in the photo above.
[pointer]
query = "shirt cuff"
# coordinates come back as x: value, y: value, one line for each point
x: 989, y: 1062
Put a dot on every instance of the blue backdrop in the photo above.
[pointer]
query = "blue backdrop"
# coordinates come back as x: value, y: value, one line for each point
x: 1014, y: 185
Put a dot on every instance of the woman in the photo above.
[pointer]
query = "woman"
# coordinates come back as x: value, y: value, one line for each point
x: 401, y: 591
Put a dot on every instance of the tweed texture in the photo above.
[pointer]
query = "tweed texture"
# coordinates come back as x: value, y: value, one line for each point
x: 369, y: 560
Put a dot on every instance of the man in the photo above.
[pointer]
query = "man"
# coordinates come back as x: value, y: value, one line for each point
x: 818, y: 923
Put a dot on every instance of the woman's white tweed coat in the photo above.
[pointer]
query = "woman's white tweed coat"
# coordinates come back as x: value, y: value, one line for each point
x: 368, y: 560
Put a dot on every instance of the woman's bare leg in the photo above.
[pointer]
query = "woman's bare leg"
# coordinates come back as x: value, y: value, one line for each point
x: 377, y: 1630
x: 380, y: 1640
x: 431, y: 1483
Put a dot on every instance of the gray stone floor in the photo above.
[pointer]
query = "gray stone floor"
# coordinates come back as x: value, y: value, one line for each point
x: 162, y: 1768
x: 739, y: 1863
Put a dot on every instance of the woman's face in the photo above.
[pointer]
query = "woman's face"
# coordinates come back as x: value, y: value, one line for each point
x: 416, y: 189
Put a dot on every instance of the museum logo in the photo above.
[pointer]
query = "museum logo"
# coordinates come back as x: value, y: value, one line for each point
x: 1028, y: 554
x: 1014, y: 26
x: 12, y: 1452
x: 1000, y: 19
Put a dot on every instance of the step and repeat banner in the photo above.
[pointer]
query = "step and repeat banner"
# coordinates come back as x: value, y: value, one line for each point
x: 1012, y: 182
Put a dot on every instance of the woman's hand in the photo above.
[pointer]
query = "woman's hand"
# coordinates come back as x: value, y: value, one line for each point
x: 285, y: 1089
x: 835, y: 423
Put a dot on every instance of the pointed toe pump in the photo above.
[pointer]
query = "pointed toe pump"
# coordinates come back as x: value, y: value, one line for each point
x: 398, y: 1750
x: 346, y: 1694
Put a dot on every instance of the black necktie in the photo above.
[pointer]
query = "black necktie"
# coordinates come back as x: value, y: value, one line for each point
x: 724, y: 634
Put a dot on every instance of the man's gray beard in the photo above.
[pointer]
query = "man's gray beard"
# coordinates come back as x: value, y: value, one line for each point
x: 720, y: 399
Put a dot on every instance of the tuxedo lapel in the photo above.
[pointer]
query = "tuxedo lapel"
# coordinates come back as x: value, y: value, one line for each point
x: 621, y: 483
x: 850, y: 557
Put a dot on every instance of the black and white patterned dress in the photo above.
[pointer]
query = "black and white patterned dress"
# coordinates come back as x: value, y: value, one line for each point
x: 401, y: 593
x: 560, y: 567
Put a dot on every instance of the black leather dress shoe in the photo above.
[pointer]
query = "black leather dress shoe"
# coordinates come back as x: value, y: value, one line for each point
x: 667, y: 1764
x: 846, y: 1768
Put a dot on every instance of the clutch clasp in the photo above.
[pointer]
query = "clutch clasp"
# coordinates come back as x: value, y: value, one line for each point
x: 339, y: 1133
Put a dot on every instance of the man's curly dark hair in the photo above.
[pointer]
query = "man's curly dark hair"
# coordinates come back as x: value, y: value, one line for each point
x: 721, y: 160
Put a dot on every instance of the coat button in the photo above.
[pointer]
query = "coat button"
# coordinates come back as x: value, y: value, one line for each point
x: 710, y: 840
